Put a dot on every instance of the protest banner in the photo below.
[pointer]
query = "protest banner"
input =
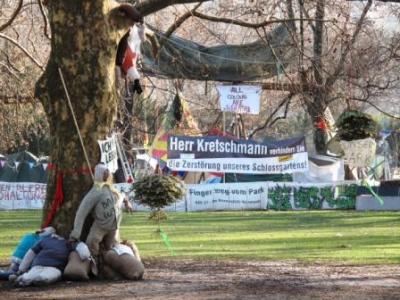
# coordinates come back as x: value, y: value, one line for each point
x: 228, y: 196
x: 109, y: 155
x: 224, y: 154
x: 240, y: 99
x: 22, y: 195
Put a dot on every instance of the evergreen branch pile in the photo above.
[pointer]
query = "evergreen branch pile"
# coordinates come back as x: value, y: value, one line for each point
x: 356, y: 125
x: 158, y: 191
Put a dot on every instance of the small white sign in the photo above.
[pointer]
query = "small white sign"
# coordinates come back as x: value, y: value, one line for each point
x: 240, y: 99
x: 109, y: 155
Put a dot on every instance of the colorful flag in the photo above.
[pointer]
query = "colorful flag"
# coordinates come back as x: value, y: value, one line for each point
x: 178, y: 120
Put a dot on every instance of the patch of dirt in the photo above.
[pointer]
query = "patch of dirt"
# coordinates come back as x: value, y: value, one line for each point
x: 205, y: 279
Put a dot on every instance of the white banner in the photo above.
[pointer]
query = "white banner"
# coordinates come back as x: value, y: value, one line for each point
x: 241, y: 99
x: 22, y: 195
x: 321, y: 169
x: 109, y: 154
x: 227, y: 196
x: 223, y: 196
x: 297, y: 162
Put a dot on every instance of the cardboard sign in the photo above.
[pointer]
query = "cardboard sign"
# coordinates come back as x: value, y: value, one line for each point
x: 240, y: 99
x: 109, y: 154
x: 359, y: 153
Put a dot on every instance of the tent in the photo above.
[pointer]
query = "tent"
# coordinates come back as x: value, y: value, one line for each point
x: 22, y: 167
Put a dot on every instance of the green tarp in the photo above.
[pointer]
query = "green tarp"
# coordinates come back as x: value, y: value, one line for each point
x: 180, y: 58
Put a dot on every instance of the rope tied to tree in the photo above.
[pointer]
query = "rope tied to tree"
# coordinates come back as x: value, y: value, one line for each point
x: 58, y: 199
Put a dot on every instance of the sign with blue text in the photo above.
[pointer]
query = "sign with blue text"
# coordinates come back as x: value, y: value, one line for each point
x: 227, y: 155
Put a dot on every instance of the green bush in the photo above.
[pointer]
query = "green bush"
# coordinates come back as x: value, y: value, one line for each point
x: 355, y: 125
x: 158, y: 191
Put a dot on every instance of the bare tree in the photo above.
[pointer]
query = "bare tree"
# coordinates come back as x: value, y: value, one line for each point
x: 84, y: 35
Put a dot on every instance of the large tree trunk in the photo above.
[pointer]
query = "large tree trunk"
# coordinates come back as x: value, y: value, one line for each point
x: 316, y: 111
x: 84, y: 40
x: 317, y: 107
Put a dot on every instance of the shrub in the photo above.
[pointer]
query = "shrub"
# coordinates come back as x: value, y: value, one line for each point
x: 355, y: 125
x: 158, y: 191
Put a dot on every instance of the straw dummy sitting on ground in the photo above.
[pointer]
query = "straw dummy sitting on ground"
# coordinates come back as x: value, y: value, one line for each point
x: 104, y: 203
x: 24, y: 245
x: 44, y: 262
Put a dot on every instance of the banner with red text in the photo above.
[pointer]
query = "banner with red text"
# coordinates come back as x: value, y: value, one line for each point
x: 22, y: 195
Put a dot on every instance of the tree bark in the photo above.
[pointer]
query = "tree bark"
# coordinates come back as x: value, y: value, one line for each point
x: 324, y: 84
x: 317, y: 106
x: 147, y: 7
x: 84, y: 40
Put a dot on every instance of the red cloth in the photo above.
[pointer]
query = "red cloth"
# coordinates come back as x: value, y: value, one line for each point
x: 129, y: 60
x: 57, y: 200
x: 321, y: 124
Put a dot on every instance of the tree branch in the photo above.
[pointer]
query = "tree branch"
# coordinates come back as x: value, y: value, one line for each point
x: 394, y: 1
x: 289, y: 5
x: 376, y: 107
x: 304, y: 11
x: 10, y: 71
x: 331, y: 79
x: 247, y: 24
x: 284, y: 114
x: 283, y: 86
x: 286, y: 101
x: 148, y: 7
x: 318, y: 38
x: 13, y: 16
x: 23, y: 49
x: 46, y: 22
x: 178, y: 22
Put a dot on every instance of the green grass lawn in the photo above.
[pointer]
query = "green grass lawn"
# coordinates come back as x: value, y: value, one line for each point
x: 330, y: 236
